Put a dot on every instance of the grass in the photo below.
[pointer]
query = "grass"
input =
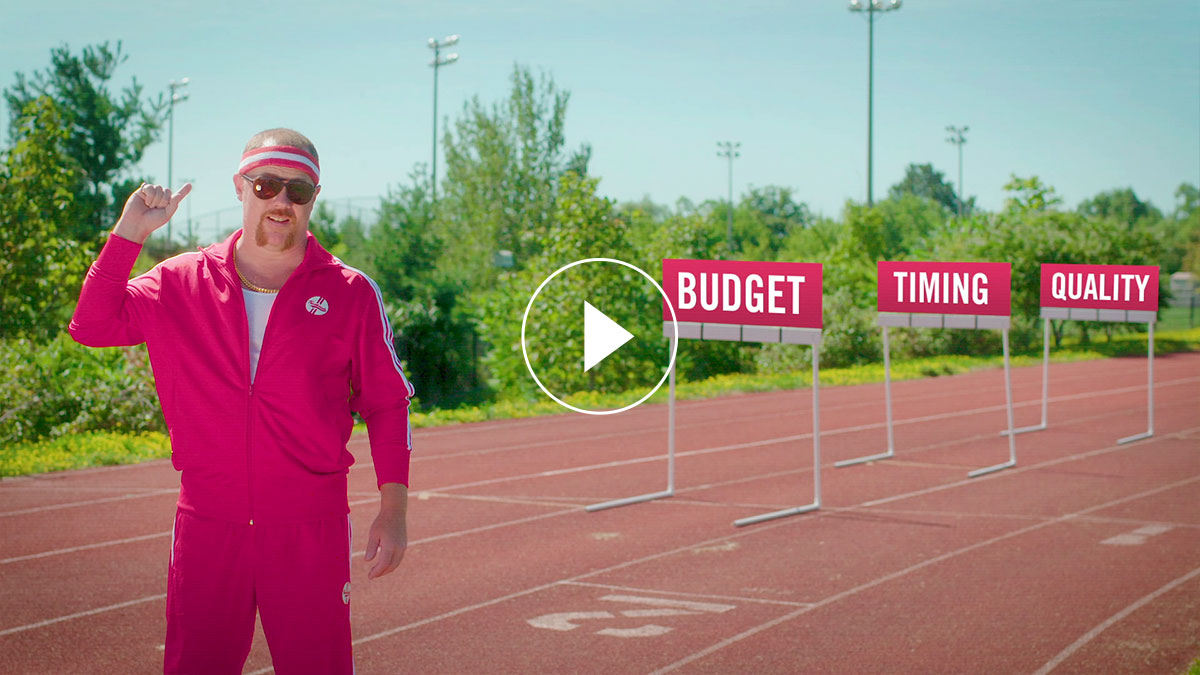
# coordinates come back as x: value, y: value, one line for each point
x: 78, y: 451
x: 98, y: 449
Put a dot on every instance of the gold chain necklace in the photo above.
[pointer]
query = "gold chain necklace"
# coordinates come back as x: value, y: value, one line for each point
x: 246, y: 282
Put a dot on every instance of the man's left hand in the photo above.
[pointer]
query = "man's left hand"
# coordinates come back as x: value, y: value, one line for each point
x: 388, y: 537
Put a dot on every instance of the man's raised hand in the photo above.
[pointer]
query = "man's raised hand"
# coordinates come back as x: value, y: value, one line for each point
x: 147, y: 209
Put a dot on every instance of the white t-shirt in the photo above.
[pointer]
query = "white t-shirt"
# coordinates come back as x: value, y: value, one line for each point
x: 258, y: 309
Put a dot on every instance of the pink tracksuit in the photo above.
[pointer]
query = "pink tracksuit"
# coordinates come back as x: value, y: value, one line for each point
x: 262, y: 514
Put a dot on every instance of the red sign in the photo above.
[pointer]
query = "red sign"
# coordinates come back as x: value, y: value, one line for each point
x: 743, y: 292
x: 1100, y: 286
x: 981, y: 288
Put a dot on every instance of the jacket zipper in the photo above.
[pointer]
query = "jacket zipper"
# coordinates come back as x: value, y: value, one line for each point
x: 249, y: 465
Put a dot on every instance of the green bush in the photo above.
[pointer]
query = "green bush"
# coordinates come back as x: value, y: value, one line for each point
x: 81, y: 450
x: 59, y: 387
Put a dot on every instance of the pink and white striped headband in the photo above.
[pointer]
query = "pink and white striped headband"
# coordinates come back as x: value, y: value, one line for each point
x: 281, y: 155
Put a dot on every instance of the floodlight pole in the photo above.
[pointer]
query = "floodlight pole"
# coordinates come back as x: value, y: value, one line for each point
x: 958, y: 137
x: 729, y: 150
x: 174, y: 98
x: 437, y: 62
x: 871, y: 7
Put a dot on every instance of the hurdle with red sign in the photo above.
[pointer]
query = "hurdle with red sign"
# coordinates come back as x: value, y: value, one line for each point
x: 749, y: 302
x: 1116, y: 293
x: 969, y: 295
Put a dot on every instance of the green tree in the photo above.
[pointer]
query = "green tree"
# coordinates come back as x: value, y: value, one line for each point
x: 922, y: 180
x: 1029, y: 194
x: 584, y: 225
x: 503, y: 165
x: 763, y: 220
x: 41, y: 268
x: 106, y: 133
x: 1187, y: 215
x: 1121, y: 205
x: 403, y: 244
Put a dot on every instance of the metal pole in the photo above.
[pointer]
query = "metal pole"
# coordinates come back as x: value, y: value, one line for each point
x: 816, y: 365
x: 961, y: 192
x: 870, y: 100
x: 1045, y: 365
x: 816, y: 504
x: 438, y: 62
x: 1150, y: 382
x: 433, y: 158
x: 1011, y: 433
x: 729, y: 226
x: 1149, y: 392
x: 670, y: 491
x: 887, y: 397
x: 728, y: 150
x: 170, y: 150
x: 671, y: 424
x: 887, y: 392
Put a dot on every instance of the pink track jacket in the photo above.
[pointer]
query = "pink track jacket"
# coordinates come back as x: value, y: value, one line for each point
x: 274, y: 451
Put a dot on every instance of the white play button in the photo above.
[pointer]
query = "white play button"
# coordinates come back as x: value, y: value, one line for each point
x: 601, y: 336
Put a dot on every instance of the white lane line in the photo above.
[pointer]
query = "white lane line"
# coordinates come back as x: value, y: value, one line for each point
x: 1025, y: 516
x: 655, y: 591
x: 89, y: 502
x: 483, y: 528
x: 727, y: 448
x: 78, y: 615
x: 1016, y: 471
x: 495, y: 426
x: 690, y: 605
x: 85, y: 547
x: 916, y: 567
x: 1138, y: 536
x: 724, y: 421
x: 1091, y: 634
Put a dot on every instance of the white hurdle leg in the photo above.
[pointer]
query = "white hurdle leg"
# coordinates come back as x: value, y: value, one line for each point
x: 1045, y: 381
x: 1149, y: 394
x: 816, y: 389
x: 1012, y: 446
x: 670, y: 491
x: 887, y: 397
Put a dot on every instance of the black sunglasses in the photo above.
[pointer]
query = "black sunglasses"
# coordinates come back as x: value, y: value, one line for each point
x: 298, y: 191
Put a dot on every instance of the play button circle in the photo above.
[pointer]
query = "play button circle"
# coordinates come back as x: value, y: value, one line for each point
x: 598, y: 326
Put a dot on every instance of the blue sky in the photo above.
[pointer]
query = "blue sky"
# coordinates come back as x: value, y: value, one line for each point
x: 1087, y: 94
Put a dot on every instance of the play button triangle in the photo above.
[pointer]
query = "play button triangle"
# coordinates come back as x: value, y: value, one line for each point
x: 601, y: 336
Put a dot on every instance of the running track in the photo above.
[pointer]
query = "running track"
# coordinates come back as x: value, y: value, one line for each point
x: 1085, y: 558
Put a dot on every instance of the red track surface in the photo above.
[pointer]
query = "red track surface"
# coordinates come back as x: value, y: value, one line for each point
x: 1085, y: 558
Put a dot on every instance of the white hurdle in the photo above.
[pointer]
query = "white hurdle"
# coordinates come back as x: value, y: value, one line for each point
x: 900, y: 319
x: 739, y: 333
x: 670, y: 491
x: 1114, y: 316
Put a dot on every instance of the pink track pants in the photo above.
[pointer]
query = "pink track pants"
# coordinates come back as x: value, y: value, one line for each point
x: 297, y: 576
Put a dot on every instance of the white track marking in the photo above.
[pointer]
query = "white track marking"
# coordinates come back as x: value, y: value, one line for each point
x: 78, y: 615
x: 89, y: 502
x: 919, y: 566
x: 749, y: 418
x: 1091, y: 634
x: 85, y: 547
x: 690, y: 605
x: 655, y: 591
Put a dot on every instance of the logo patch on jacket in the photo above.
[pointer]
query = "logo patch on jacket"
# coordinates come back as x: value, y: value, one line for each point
x: 316, y: 305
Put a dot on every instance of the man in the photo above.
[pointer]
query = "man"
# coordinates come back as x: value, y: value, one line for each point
x: 259, y: 413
